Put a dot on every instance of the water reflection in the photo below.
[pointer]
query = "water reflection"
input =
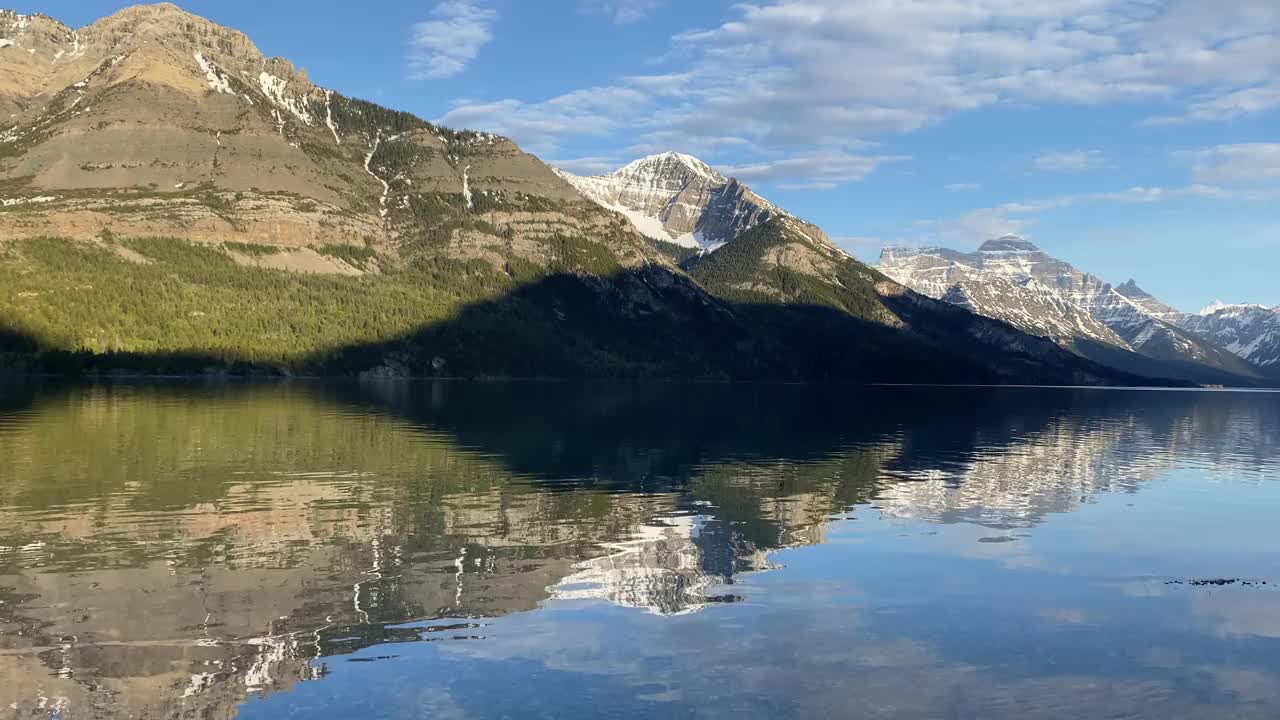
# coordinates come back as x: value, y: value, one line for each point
x: 180, y: 550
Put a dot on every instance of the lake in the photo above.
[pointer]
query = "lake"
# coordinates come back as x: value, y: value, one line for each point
x: 685, y: 551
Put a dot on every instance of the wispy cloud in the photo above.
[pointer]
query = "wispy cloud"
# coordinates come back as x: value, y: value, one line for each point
x: 981, y: 224
x: 622, y: 11
x: 1228, y: 106
x: 444, y: 45
x: 961, y: 187
x: 1239, y: 164
x: 1070, y: 161
x: 538, y: 126
x: 823, y: 170
x: 590, y: 165
x: 796, y: 78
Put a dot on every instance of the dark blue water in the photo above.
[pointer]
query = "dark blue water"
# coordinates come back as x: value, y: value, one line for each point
x: 551, y: 550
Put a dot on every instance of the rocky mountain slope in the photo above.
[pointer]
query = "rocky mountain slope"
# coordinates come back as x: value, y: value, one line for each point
x: 155, y: 121
x: 1250, y: 331
x: 1033, y: 308
x: 1013, y: 280
x: 679, y: 199
x: 835, y: 313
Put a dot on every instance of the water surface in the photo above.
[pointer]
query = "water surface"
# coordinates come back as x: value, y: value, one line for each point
x: 552, y: 550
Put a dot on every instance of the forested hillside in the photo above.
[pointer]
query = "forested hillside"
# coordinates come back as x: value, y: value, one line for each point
x: 170, y: 306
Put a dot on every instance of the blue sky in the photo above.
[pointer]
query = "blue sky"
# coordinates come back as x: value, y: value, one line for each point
x: 1135, y: 138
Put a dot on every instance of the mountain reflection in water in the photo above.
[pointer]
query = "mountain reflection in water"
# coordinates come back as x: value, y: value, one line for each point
x: 179, y: 550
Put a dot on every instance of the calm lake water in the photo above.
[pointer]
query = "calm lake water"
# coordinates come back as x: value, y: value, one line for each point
x: 547, y: 550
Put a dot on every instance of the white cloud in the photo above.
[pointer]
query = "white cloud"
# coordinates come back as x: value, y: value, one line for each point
x: 1241, y: 164
x: 875, y: 66
x: 961, y: 187
x: 591, y: 165
x: 797, y: 78
x: 537, y: 126
x: 982, y: 224
x: 978, y: 225
x: 622, y: 11
x: 819, y: 170
x: 1227, y: 106
x: 444, y: 45
x: 1070, y: 161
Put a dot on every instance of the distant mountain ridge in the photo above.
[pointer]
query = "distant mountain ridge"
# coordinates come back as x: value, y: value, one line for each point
x: 1250, y: 331
x: 1012, y: 279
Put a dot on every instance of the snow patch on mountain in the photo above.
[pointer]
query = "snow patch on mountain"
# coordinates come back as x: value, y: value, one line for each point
x: 217, y: 81
x: 10, y: 202
x: 368, y: 168
x: 650, y: 227
x: 328, y: 116
x: 274, y: 88
x: 677, y: 198
x: 695, y: 240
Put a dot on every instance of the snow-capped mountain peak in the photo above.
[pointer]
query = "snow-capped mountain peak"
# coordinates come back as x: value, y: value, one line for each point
x: 1009, y: 244
x: 668, y: 164
x: 677, y: 198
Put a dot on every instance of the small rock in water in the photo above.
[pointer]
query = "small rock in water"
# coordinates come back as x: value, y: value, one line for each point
x: 1218, y: 582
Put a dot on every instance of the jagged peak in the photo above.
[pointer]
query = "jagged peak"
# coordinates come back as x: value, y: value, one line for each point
x: 1129, y: 288
x: 12, y: 20
x: 672, y: 159
x: 1008, y: 243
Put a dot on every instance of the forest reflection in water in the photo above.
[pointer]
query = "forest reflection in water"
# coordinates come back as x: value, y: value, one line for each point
x: 630, y: 550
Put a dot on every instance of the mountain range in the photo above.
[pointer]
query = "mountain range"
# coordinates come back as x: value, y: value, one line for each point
x: 1011, y: 279
x: 171, y: 200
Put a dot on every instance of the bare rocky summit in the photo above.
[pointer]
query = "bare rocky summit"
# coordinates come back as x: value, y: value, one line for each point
x: 154, y: 121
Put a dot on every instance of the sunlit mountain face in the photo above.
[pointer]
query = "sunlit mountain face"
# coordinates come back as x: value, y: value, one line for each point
x: 214, y: 550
